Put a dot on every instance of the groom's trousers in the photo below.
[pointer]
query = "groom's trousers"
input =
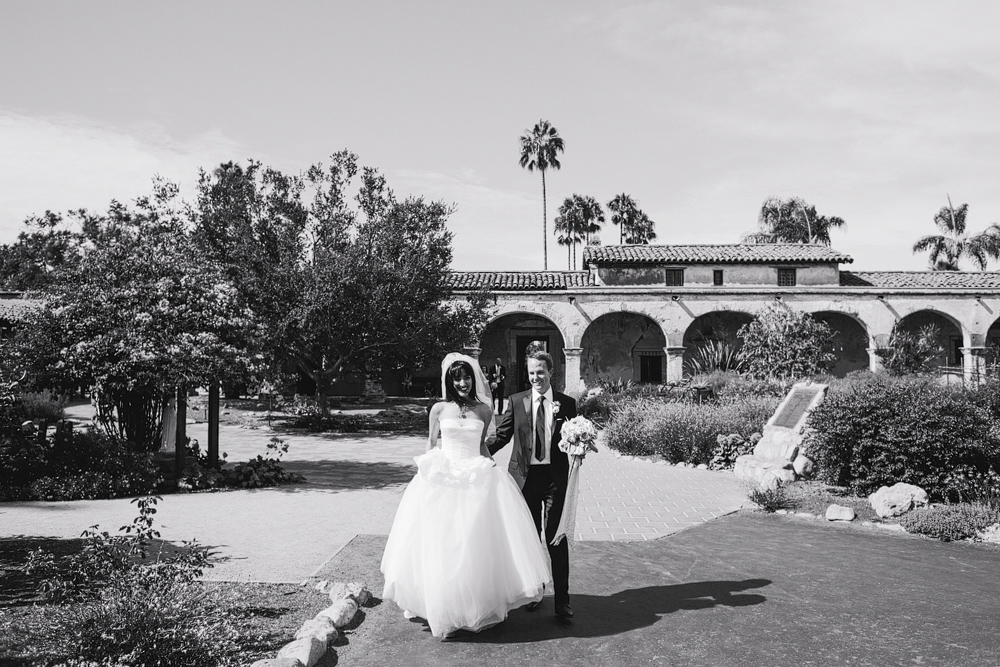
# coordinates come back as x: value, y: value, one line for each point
x: 540, y: 491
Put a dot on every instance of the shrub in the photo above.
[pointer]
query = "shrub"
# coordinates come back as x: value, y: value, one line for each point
x: 263, y: 470
x: 785, y: 344
x: 121, y: 604
x: 684, y: 431
x: 879, y: 431
x: 595, y: 405
x: 711, y: 356
x: 43, y: 407
x: 910, y: 353
x: 770, y: 499
x: 951, y: 522
x: 729, y: 447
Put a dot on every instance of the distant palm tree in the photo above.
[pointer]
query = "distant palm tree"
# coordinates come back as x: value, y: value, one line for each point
x: 593, y: 217
x: 564, y: 236
x: 634, y: 226
x: 579, y: 220
x: 540, y: 148
x: 946, y: 250
x: 791, y: 220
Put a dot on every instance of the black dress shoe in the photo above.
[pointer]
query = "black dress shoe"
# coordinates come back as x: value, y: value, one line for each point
x: 533, y: 606
x: 564, y: 611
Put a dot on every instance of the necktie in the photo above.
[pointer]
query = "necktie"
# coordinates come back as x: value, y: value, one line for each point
x: 540, y: 430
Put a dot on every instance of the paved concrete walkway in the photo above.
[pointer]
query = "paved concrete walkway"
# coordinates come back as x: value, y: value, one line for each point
x: 353, y: 485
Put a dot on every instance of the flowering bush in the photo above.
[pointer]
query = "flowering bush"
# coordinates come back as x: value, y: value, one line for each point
x: 578, y: 437
x: 729, y: 447
x: 951, y: 522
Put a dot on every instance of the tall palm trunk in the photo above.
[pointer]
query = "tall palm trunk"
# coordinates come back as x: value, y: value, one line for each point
x: 545, y: 228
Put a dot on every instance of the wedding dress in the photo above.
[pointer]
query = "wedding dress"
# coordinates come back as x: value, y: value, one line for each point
x: 463, y: 550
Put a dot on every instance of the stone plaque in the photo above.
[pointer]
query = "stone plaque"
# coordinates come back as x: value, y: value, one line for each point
x: 794, y: 407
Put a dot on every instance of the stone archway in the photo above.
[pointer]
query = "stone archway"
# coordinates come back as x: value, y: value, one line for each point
x: 623, y: 346
x: 712, y: 331
x: 949, y: 336
x: 851, y: 341
x: 508, y: 336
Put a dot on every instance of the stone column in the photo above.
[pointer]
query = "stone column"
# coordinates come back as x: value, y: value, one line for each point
x: 874, y: 361
x: 974, y: 363
x: 675, y: 363
x: 574, y: 382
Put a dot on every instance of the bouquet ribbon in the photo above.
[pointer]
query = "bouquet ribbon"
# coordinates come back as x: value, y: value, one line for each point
x: 567, y: 523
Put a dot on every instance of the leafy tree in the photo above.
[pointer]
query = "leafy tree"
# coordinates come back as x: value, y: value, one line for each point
x: 786, y: 345
x: 47, y: 245
x: 949, y: 247
x: 792, y: 220
x: 580, y: 218
x: 540, y: 148
x: 911, y: 353
x: 634, y: 225
x: 375, y: 293
x: 141, y: 312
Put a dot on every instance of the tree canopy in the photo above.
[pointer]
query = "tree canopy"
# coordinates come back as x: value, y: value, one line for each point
x: 952, y: 245
x: 540, y: 148
x: 579, y: 221
x: 792, y: 220
x: 634, y: 226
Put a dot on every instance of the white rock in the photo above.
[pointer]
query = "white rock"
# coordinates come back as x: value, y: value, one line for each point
x: 897, y: 499
x: 277, y: 662
x: 839, y: 513
x: 803, y: 466
x: 321, y: 586
x: 661, y: 463
x: 352, y: 590
x: 895, y: 527
x: 702, y: 466
x: 340, y: 612
x: 989, y: 534
x: 321, y: 628
x: 307, y: 650
x: 781, y: 511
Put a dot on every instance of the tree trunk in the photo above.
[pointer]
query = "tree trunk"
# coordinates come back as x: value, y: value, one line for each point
x: 213, y: 425
x: 545, y: 226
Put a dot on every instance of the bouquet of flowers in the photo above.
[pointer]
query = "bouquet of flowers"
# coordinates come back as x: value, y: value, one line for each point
x: 578, y: 437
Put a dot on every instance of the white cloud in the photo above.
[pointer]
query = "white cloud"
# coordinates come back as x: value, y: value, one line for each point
x: 61, y: 163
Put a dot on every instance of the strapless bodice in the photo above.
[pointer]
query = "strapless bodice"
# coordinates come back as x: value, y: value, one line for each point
x: 460, y: 438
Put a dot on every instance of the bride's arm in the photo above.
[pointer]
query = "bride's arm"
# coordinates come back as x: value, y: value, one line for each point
x: 434, y: 426
x: 485, y: 413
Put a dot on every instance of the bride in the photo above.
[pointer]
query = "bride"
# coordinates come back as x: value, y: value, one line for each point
x: 463, y: 550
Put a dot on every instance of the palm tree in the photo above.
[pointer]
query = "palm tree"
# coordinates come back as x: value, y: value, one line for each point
x: 947, y: 249
x: 579, y: 220
x: 593, y: 217
x: 791, y: 220
x: 564, y: 236
x: 634, y: 225
x: 540, y: 148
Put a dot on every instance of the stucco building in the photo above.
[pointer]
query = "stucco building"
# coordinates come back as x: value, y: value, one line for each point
x: 638, y: 312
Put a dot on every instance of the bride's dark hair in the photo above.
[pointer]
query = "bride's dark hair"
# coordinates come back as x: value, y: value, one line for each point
x: 453, y: 373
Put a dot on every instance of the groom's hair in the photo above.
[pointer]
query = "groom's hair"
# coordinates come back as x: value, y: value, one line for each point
x: 454, y: 372
x: 541, y: 355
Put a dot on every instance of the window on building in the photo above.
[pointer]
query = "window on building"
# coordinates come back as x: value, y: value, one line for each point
x: 786, y: 277
x: 675, y: 277
x: 717, y: 277
x: 651, y: 367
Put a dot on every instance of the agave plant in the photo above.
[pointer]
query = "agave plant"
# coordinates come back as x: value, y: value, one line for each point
x: 713, y: 355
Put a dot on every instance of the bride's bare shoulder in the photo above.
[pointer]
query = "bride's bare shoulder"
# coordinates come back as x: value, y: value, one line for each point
x: 438, y: 407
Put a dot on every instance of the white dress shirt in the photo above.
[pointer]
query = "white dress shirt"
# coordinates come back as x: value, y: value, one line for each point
x: 548, y: 425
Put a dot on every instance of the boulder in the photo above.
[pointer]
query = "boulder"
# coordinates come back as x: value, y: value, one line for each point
x: 702, y: 466
x: 307, y: 650
x: 278, y: 662
x: 352, y: 590
x: 340, y: 612
x: 320, y: 627
x: 890, y: 501
x: 839, y: 513
x: 755, y: 469
x: 803, y: 466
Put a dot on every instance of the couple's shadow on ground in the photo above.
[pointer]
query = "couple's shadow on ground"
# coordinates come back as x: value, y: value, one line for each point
x: 606, y: 615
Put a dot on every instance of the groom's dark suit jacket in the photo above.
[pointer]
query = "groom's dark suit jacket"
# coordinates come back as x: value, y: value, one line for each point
x: 516, y: 424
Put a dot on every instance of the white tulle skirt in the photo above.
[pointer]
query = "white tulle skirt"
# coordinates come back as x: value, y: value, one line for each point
x: 463, y: 550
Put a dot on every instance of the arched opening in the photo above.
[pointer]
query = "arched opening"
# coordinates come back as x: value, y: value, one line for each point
x: 850, y: 342
x: 949, y: 334
x: 993, y: 345
x: 711, y: 341
x: 507, y: 338
x: 621, y: 347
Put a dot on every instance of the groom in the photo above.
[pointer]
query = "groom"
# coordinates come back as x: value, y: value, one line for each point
x: 534, y: 420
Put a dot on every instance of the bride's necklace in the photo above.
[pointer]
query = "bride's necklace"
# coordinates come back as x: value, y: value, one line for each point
x: 465, y: 408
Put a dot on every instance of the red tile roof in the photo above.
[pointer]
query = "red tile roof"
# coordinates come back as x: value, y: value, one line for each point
x: 927, y: 279
x: 736, y: 253
x: 512, y: 281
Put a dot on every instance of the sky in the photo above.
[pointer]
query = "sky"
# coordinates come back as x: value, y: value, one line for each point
x: 875, y: 112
